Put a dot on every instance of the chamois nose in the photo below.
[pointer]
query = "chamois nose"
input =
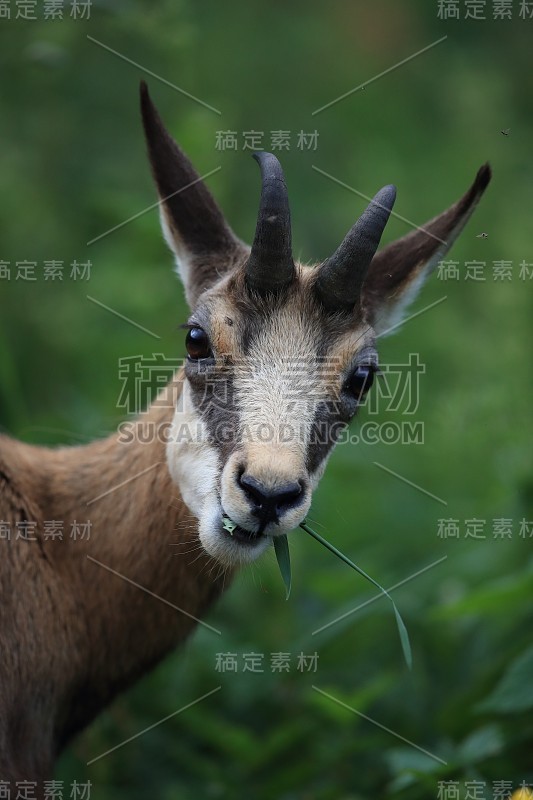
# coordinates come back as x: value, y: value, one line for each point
x: 269, y: 503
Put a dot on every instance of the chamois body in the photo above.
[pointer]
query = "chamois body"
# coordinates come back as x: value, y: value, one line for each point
x: 72, y: 634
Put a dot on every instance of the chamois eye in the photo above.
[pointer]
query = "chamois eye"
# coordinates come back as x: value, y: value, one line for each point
x: 361, y: 380
x: 197, y: 344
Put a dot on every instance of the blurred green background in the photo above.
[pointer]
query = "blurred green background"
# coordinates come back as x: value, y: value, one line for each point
x: 72, y: 166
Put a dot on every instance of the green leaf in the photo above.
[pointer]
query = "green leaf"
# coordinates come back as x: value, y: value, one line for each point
x: 513, y: 692
x: 228, y: 525
x: 411, y: 761
x: 480, y: 745
x: 402, y: 630
x: 281, y: 546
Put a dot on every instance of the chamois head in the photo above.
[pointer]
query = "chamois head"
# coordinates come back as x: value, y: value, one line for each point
x: 280, y: 354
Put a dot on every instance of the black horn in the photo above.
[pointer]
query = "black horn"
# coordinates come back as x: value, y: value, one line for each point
x: 270, y: 266
x: 341, y: 277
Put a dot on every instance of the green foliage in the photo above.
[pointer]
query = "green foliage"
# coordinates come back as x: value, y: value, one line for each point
x: 73, y: 167
x: 513, y: 692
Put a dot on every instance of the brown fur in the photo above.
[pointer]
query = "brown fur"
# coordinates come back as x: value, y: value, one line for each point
x: 72, y: 634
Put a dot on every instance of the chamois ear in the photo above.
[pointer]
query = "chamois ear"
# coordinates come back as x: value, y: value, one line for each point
x: 398, y: 271
x: 193, y: 225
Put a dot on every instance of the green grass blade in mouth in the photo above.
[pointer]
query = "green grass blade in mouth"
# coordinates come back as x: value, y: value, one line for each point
x: 402, y: 630
x: 228, y: 525
x: 281, y: 546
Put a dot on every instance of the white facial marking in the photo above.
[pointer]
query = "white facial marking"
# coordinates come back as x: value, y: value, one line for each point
x: 194, y: 466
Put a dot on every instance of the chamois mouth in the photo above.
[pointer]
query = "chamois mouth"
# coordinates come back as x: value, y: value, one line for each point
x: 239, y: 534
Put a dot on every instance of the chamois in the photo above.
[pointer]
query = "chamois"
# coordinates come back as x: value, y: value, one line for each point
x: 248, y: 422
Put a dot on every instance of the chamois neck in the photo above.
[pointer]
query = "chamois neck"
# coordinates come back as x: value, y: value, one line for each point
x: 120, y: 597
